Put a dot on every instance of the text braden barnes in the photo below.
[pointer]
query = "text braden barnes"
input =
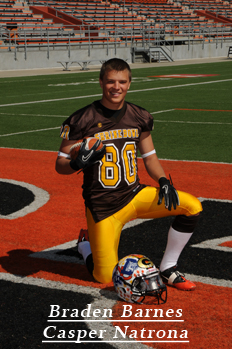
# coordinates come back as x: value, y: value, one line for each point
x: 53, y: 333
x: 56, y: 312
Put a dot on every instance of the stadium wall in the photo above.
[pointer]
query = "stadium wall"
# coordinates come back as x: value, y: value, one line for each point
x: 44, y: 58
x: 201, y: 50
x: 49, y: 59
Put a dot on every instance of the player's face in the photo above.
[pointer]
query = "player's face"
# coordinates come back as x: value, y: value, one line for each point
x: 115, y: 85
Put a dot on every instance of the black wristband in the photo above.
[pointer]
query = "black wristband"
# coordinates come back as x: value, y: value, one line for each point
x: 73, y: 164
x: 163, y: 181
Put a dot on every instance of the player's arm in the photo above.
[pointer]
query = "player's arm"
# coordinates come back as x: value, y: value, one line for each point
x: 86, y: 156
x: 150, y: 158
x: 63, y: 161
x: 155, y: 170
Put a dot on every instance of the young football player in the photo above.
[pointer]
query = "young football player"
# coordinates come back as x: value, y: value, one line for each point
x: 112, y: 191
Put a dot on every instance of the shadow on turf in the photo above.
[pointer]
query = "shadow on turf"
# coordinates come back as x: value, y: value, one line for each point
x: 148, y: 238
x: 19, y: 262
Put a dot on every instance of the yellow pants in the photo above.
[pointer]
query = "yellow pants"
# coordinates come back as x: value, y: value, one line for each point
x: 104, y: 236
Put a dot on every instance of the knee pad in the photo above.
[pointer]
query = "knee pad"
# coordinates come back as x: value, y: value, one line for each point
x: 185, y: 224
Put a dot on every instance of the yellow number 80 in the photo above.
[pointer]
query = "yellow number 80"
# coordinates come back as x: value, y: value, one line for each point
x: 110, y: 170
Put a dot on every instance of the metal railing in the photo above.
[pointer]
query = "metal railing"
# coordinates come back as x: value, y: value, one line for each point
x: 167, y: 34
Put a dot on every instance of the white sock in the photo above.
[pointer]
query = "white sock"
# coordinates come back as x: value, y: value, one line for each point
x: 175, y: 244
x: 84, y: 249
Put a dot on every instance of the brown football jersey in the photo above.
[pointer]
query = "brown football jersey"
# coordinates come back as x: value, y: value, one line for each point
x: 111, y: 183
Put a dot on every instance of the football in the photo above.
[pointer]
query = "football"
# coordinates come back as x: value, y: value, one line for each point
x: 74, y: 150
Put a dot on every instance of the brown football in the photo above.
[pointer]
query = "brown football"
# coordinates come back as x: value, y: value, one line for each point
x: 74, y: 150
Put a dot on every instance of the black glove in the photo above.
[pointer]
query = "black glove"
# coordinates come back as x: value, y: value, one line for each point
x: 169, y: 193
x: 87, y: 157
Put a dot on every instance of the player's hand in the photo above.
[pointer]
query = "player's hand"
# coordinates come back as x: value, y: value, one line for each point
x: 87, y: 157
x: 169, y: 193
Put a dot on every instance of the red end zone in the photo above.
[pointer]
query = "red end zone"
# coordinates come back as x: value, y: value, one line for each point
x: 206, y: 311
x: 62, y: 217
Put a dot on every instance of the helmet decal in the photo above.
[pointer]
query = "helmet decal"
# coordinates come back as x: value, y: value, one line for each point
x: 145, y: 263
x: 128, y: 269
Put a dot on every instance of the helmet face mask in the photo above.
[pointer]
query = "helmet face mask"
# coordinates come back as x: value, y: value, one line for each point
x: 135, y: 277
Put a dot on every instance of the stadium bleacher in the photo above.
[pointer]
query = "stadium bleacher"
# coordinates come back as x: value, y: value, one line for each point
x: 34, y: 23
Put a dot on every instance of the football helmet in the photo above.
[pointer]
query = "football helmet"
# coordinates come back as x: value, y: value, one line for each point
x: 135, y: 277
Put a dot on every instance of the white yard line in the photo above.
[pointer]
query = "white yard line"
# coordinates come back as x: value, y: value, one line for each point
x: 194, y: 122
x: 20, y: 133
x: 162, y: 111
x: 130, y: 91
x: 49, y: 100
x: 46, y: 115
x: 169, y: 121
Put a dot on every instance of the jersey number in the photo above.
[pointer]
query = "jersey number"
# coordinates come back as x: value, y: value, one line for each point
x: 110, y: 167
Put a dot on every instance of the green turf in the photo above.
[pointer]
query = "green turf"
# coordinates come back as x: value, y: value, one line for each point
x: 33, y: 108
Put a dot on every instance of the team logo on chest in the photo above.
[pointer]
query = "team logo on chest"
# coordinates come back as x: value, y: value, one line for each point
x: 117, y: 134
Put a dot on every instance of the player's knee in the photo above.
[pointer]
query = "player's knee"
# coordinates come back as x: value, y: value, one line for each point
x: 197, y: 207
x: 103, y: 277
x: 103, y: 274
x: 189, y: 204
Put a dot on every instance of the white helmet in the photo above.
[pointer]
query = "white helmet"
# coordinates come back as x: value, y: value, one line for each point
x: 136, y: 276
